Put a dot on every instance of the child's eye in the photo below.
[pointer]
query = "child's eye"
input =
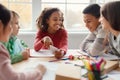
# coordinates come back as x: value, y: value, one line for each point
x: 88, y: 21
x: 17, y: 23
x: 55, y: 19
x: 60, y: 19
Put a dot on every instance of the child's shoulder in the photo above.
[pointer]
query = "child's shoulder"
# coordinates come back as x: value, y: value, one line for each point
x: 2, y: 48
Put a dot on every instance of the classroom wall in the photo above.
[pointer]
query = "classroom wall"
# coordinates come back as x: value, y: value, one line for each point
x: 74, y: 39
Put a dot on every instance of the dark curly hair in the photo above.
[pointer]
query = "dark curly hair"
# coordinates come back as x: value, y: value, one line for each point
x: 46, y: 13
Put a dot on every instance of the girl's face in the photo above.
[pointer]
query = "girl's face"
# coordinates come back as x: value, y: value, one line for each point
x: 105, y: 24
x: 15, y: 25
x: 55, y: 21
x: 5, y: 32
x: 91, y: 22
x: 107, y: 27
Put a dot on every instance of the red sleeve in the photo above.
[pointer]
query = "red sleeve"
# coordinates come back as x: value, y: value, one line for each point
x: 64, y: 41
x: 38, y: 43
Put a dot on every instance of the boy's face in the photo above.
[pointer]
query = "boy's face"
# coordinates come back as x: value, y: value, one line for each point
x: 15, y: 25
x: 5, y: 32
x: 91, y: 22
x: 55, y: 21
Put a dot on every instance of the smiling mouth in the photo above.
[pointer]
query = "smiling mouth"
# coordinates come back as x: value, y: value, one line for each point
x: 57, y: 26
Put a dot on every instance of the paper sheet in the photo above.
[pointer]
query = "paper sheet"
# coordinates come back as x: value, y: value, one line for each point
x: 41, y: 53
x: 114, y: 75
x: 109, y: 56
x: 105, y: 56
x: 51, y: 69
x: 53, y: 48
x: 44, y: 53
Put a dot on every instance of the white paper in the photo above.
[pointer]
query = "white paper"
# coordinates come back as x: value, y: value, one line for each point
x: 41, y: 53
x: 51, y: 69
x: 53, y: 48
x: 109, y: 56
x: 50, y: 72
x: 105, y: 56
x: 115, y: 75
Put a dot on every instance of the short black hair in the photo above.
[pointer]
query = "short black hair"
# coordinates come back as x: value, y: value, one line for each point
x: 93, y: 9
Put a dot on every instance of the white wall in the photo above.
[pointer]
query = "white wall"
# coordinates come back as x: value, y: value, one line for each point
x: 74, y: 39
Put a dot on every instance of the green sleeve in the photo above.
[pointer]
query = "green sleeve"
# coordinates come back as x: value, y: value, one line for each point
x: 16, y: 58
x: 23, y: 43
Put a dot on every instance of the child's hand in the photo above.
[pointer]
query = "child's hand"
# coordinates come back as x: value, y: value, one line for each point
x: 41, y: 68
x: 47, y: 42
x: 59, y: 54
x: 26, y: 54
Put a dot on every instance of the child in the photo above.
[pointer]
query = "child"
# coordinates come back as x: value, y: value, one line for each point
x: 6, y: 69
x: 51, y: 32
x: 93, y: 43
x: 16, y: 47
x: 111, y: 23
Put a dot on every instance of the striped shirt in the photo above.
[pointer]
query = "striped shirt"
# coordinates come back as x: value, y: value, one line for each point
x: 93, y: 43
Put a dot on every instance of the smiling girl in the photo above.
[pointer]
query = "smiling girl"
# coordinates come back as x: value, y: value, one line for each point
x: 51, y: 32
x: 111, y: 23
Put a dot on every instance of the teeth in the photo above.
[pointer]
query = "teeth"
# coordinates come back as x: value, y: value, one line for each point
x: 57, y: 26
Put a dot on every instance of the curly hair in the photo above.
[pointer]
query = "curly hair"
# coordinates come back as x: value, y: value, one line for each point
x: 45, y: 14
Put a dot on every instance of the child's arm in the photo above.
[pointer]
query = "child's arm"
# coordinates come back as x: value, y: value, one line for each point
x: 20, y: 56
x: 7, y: 71
x: 16, y: 58
x: 64, y: 42
x: 98, y: 46
x: 94, y: 45
x: 63, y: 46
x: 38, y: 43
x: 86, y: 43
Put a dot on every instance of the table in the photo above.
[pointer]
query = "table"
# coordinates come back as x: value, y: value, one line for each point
x: 51, y: 66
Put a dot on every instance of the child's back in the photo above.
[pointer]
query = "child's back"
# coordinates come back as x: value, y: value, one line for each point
x: 6, y: 69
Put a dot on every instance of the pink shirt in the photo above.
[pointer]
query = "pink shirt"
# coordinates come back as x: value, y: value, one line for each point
x: 8, y: 73
x: 60, y: 39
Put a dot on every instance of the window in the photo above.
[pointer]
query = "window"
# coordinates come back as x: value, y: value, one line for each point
x: 23, y: 8
x: 72, y: 10
x: 29, y: 10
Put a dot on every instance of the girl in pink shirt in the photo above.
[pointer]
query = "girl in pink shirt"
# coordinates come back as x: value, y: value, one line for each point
x: 6, y: 70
